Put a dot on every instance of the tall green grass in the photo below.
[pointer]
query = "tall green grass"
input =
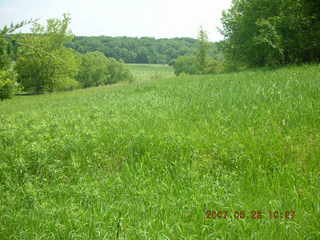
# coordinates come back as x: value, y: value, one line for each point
x: 147, y: 72
x: 146, y: 161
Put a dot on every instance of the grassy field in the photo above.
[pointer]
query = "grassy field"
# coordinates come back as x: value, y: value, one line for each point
x: 147, y: 72
x: 155, y: 160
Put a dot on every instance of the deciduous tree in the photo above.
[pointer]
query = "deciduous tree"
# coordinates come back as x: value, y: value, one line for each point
x: 45, y: 65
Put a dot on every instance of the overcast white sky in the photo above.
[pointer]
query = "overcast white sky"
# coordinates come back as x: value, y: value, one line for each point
x: 134, y: 18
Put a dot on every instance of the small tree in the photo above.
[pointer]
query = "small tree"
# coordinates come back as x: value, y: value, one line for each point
x: 93, y: 69
x: 8, y: 84
x: 202, y: 50
x: 45, y: 65
x: 118, y: 71
x: 197, y: 64
x: 186, y: 64
x: 96, y: 70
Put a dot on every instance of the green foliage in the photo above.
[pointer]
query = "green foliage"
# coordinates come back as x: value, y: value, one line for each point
x: 8, y: 85
x: 7, y: 78
x: 93, y: 69
x: 51, y: 36
x: 96, y: 70
x: 118, y: 71
x: 213, y: 66
x: 5, y: 59
x: 191, y: 65
x: 186, y: 64
x: 45, y: 65
x: 271, y: 32
x: 208, y: 58
x: 7, y: 43
x: 203, y: 48
x: 136, y: 50
x: 47, y: 72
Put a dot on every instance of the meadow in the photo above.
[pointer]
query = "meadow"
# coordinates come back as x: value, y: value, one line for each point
x: 147, y: 72
x: 228, y: 156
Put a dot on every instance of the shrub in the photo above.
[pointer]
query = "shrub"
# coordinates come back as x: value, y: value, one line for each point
x: 96, y: 70
x: 186, y: 64
x: 66, y: 83
x: 8, y: 85
x: 46, y: 72
x: 118, y: 72
x: 214, y: 66
x: 44, y: 63
x: 93, y: 69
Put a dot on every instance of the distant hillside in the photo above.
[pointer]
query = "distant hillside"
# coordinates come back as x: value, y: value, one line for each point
x: 136, y: 50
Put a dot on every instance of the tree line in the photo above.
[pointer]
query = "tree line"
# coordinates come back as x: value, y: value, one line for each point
x: 272, y: 32
x: 256, y: 33
x: 208, y: 58
x: 136, y: 50
x: 180, y: 52
x: 40, y: 62
x: 259, y: 33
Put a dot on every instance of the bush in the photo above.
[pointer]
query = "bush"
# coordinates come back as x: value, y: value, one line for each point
x: 118, y: 72
x: 186, y: 64
x: 8, y: 85
x: 46, y: 72
x: 190, y: 65
x: 93, y: 69
x: 96, y: 70
x: 66, y: 83
x: 214, y: 66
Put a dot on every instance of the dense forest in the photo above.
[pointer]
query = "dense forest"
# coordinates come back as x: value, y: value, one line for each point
x: 136, y: 50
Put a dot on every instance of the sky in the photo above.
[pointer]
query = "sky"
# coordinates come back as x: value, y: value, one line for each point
x: 132, y: 18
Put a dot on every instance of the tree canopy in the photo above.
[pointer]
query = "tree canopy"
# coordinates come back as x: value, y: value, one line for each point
x: 44, y: 63
x: 8, y: 53
x: 269, y: 32
x: 136, y: 50
x: 39, y: 61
